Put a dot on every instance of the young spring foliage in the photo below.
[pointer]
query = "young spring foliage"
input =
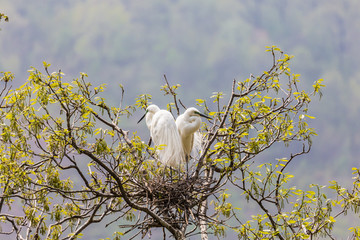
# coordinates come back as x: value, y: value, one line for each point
x: 69, y: 163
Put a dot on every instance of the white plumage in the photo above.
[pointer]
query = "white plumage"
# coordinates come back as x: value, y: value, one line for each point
x: 188, y: 124
x: 175, y: 140
x: 165, y: 135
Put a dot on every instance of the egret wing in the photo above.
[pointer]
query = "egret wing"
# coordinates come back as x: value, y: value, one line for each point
x: 166, y: 137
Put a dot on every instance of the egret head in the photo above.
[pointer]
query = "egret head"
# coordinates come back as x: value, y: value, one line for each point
x: 193, y: 112
x: 152, y: 109
x: 149, y: 113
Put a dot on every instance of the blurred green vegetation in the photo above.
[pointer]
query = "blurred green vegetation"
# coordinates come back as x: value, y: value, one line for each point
x: 201, y: 45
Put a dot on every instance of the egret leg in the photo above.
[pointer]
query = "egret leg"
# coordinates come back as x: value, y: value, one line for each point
x: 187, y: 166
x: 164, y: 173
x: 171, y: 179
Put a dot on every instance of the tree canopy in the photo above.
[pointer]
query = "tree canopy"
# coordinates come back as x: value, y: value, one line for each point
x: 199, y: 44
x: 67, y: 163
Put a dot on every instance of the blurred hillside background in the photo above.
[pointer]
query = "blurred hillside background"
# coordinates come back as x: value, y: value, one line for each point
x: 202, y: 45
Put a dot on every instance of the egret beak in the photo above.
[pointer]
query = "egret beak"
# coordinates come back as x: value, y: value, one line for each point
x: 202, y: 115
x: 142, y: 117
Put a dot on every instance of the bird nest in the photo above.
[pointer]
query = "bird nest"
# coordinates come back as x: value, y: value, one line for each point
x: 175, y: 199
x: 176, y: 193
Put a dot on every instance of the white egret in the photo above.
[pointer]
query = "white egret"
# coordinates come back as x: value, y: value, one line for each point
x: 188, y: 123
x: 165, y: 135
